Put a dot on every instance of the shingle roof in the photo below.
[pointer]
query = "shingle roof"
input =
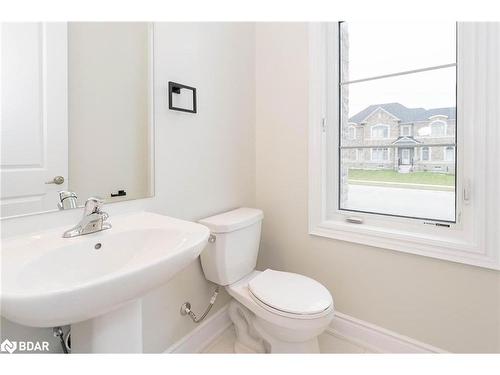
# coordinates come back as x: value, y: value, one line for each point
x: 403, y: 113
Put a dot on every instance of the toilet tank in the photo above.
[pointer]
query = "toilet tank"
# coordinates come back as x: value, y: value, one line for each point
x: 233, y: 254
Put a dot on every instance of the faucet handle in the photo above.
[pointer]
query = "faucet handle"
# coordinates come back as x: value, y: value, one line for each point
x: 93, y: 205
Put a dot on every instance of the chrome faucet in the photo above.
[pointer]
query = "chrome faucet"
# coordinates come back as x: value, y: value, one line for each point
x: 94, y: 220
x: 68, y: 199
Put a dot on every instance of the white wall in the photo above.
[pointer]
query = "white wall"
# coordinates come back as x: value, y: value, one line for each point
x: 452, y: 306
x: 204, y: 162
x: 109, y: 107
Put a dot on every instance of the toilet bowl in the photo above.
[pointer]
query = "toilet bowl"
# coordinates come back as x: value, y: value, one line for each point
x: 290, y: 322
x: 272, y: 311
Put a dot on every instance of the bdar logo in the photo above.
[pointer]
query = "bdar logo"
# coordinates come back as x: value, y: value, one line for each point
x: 8, y: 346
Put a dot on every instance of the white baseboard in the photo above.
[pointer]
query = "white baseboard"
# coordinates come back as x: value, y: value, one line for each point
x: 204, y: 334
x: 372, y: 338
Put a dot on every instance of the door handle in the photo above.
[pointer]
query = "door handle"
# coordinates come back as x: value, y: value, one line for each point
x: 58, y: 180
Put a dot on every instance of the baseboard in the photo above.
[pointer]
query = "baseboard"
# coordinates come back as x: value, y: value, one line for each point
x: 372, y: 338
x: 204, y: 334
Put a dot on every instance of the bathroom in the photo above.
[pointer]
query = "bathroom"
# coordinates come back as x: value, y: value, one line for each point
x: 169, y: 124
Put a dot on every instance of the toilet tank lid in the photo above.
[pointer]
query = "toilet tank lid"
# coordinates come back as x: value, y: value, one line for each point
x: 232, y: 220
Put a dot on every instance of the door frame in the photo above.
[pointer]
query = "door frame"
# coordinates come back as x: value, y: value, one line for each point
x: 403, y: 151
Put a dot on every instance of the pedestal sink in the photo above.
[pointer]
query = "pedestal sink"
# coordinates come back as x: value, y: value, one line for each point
x: 94, y: 282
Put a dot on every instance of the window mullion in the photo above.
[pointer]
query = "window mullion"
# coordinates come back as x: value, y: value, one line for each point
x: 397, y: 74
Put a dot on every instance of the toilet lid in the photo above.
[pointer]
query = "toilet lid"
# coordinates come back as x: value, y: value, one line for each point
x: 290, y: 292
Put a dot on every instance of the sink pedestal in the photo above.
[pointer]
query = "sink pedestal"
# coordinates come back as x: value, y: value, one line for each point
x: 118, y: 331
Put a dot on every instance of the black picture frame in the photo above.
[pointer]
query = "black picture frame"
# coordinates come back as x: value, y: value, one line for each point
x: 175, y: 88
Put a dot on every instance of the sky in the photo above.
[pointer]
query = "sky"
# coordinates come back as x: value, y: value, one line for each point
x: 378, y: 48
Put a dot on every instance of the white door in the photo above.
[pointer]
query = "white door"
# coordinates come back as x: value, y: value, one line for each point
x: 405, y: 156
x: 34, y: 117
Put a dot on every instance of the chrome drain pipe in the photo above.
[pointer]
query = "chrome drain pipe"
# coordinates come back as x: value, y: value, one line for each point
x: 58, y: 332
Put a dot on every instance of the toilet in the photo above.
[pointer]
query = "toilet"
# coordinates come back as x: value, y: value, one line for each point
x: 272, y: 311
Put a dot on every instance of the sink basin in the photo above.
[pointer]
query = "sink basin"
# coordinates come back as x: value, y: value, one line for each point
x: 49, y: 281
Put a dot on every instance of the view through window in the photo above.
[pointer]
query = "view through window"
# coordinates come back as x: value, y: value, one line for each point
x: 398, y: 119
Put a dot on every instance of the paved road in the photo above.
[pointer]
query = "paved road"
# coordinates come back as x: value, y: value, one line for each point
x: 438, y: 205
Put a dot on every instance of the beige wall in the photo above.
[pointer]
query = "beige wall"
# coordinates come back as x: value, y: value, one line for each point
x: 449, y: 305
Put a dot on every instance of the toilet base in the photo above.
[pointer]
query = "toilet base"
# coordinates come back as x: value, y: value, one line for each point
x: 248, y: 339
x: 252, y: 338
x: 310, y: 347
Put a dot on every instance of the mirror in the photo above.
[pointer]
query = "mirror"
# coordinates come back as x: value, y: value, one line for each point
x: 77, y: 113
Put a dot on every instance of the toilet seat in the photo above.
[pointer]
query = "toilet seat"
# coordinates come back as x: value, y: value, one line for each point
x: 284, y: 332
x: 290, y: 294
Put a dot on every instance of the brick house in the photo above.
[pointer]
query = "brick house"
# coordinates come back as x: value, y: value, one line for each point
x: 392, y: 136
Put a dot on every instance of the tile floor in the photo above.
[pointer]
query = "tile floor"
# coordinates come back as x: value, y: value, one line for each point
x: 328, y: 344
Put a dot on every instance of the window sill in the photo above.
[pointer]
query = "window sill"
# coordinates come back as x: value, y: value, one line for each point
x: 438, y: 248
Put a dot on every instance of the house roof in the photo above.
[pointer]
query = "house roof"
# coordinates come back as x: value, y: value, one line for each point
x: 405, y: 140
x: 403, y: 113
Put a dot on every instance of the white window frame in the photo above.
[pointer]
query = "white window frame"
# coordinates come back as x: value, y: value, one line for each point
x: 380, y: 160
x: 388, y: 127
x: 445, y: 158
x: 473, y: 239
x: 349, y: 132
x: 353, y: 157
x: 405, y: 127
x: 438, y: 122
x: 422, y: 153
x: 356, y: 156
x: 359, y: 152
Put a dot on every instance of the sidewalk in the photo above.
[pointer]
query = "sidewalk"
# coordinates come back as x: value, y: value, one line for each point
x: 439, y: 205
x: 404, y: 185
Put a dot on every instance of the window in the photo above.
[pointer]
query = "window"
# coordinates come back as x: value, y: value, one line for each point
x: 359, y: 154
x: 352, y: 133
x: 438, y: 128
x: 354, y: 154
x: 380, y: 154
x: 385, y: 94
x: 351, y: 155
x: 380, y: 131
x: 390, y: 78
x: 405, y: 130
x: 425, y: 154
x: 449, y: 153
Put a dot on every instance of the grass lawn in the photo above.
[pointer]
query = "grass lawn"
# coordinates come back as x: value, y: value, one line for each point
x: 426, y: 178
